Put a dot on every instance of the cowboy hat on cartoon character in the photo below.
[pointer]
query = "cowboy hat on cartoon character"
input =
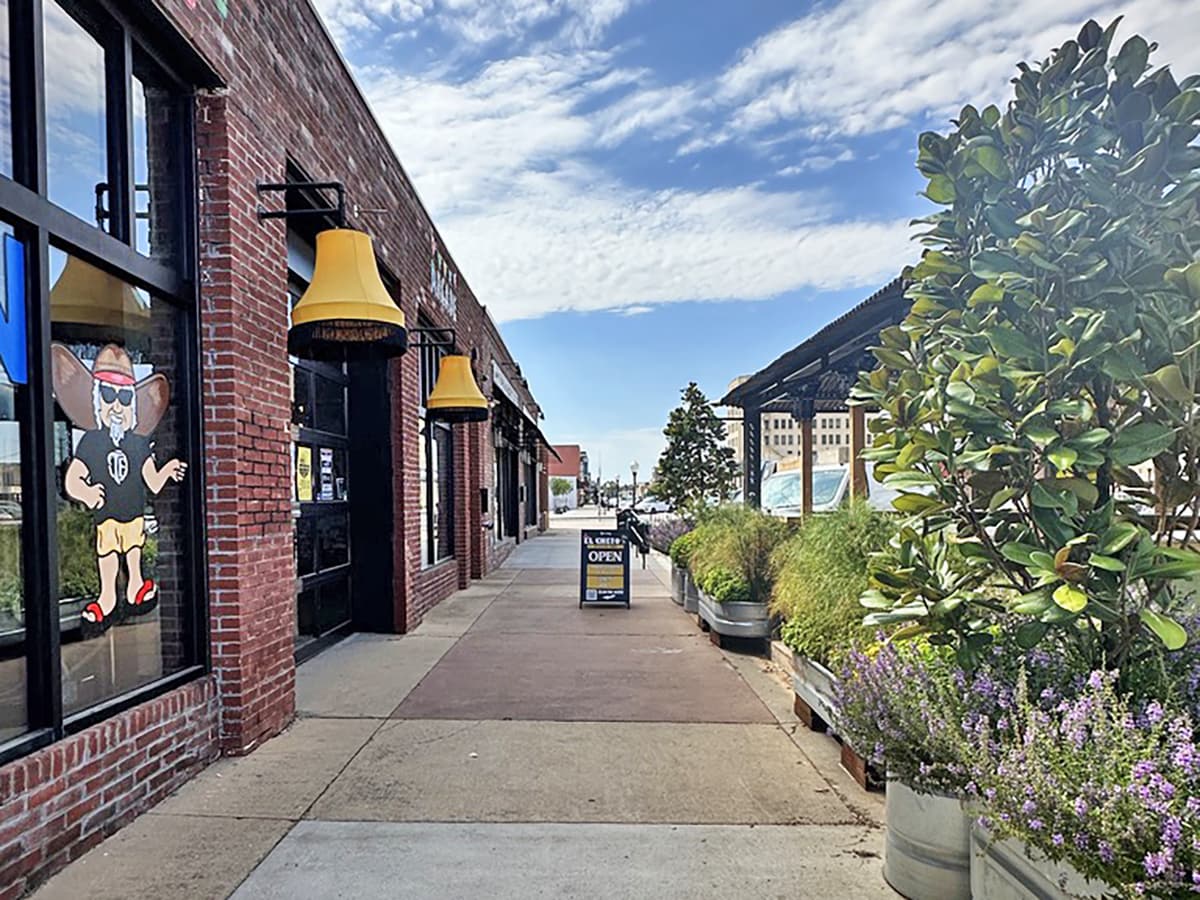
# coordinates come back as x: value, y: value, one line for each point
x: 113, y: 466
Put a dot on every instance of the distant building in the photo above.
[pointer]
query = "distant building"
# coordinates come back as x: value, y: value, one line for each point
x: 781, y: 434
x: 573, y: 466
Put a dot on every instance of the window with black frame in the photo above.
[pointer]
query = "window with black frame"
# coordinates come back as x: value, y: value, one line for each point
x: 436, y: 462
x: 101, y: 549
x: 321, y: 495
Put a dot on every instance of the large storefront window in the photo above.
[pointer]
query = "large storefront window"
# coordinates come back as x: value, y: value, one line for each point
x: 436, y: 460
x: 13, y: 421
x: 76, y: 120
x: 101, y: 554
x: 5, y: 94
x: 120, y: 444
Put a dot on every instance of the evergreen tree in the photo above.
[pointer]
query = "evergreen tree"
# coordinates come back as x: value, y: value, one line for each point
x: 697, y: 464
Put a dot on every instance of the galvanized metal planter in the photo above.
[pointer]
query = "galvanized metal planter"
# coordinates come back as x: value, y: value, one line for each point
x: 734, y: 618
x: 691, y: 593
x: 813, y: 683
x: 927, y: 855
x: 678, y: 583
x: 1006, y: 870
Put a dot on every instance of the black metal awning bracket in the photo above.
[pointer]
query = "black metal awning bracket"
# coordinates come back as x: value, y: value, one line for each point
x: 338, y: 212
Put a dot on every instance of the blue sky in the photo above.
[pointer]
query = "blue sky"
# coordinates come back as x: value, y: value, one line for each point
x: 648, y: 192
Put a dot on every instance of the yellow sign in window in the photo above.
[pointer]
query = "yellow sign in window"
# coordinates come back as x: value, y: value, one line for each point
x: 304, y: 480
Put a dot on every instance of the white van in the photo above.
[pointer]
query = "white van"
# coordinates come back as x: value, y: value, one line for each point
x: 782, y: 492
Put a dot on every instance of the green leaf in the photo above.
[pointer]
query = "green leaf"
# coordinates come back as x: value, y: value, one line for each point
x: 1039, y: 496
x: 1108, y: 563
x: 1007, y: 341
x: 940, y: 189
x: 1018, y: 552
x: 1117, y: 537
x: 1131, y: 61
x: 961, y: 391
x: 1031, y: 604
x: 1030, y: 633
x: 1185, y: 107
x: 1063, y: 458
x: 1168, y: 381
x: 1041, y: 432
x: 909, y: 479
x: 991, y: 264
x: 1070, y: 598
x: 1171, y: 633
x: 986, y: 293
x: 991, y: 160
x: 1091, y: 438
x: 916, y: 503
x: 1141, y: 442
x: 1001, y: 497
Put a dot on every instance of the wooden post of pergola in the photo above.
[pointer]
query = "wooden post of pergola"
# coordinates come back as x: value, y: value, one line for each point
x: 805, y: 410
x: 752, y: 456
x: 858, y: 442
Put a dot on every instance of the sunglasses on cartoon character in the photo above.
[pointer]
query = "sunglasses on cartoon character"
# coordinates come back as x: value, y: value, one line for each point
x: 108, y: 394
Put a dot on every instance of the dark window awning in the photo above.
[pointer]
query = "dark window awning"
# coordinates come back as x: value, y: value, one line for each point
x: 533, y: 436
x: 824, y: 367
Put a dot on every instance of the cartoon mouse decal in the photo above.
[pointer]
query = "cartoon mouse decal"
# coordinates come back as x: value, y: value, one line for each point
x: 113, y: 465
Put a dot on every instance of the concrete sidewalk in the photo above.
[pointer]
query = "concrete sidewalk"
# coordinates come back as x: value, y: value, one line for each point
x: 516, y: 746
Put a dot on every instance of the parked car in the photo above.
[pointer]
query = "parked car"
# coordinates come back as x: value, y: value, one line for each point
x: 782, y: 493
x: 651, y: 504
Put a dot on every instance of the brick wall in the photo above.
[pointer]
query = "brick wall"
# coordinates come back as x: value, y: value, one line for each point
x: 286, y: 96
x: 58, y: 803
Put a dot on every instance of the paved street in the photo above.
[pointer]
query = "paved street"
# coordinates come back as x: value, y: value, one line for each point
x: 517, y: 746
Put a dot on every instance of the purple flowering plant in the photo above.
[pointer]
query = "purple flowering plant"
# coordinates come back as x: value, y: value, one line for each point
x: 664, y: 533
x: 1100, y: 780
x: 904, y: 705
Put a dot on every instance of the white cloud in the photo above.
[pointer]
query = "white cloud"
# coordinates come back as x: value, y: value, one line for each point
x: 817, y: 162
x: 580, y: 22
x: 501, y: 159
x: 863, y: 66
x: 575, y: 241
x: 505, y: 156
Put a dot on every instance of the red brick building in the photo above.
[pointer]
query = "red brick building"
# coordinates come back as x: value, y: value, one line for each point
x: 185, y: 510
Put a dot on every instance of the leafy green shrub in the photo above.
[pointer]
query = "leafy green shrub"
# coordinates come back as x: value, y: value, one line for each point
x: 681, y: 548
x: 724, y: 585
x: 820, y: 573
x: 740, y: 540
x: 1050, y: 351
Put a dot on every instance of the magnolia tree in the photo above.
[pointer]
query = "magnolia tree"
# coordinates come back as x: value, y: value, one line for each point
x: 697, y: 464
x: 1051, y: 357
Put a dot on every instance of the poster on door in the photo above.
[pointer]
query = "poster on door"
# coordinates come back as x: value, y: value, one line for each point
x: 326, y: 474
x: 304, y: 474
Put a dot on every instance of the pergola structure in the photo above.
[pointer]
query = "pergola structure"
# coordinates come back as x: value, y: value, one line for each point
x: 812, y: 378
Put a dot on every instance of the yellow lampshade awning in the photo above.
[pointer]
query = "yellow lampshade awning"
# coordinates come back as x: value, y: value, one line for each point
x: 346, y: 310
x: 455, y: 396
x: 88, y: 296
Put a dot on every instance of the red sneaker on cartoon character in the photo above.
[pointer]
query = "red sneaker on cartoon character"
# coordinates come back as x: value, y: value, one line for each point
x: 113, y: 465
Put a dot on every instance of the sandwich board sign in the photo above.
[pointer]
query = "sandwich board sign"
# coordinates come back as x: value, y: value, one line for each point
x: 603, y: 566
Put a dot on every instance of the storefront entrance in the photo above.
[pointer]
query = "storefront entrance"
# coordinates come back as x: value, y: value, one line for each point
x: 321, y: 492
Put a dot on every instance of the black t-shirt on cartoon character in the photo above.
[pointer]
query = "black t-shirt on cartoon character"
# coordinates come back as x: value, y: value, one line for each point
x: 119, y: 469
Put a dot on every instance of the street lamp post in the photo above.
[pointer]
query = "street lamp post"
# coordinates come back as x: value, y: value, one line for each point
x: 633, y: 467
